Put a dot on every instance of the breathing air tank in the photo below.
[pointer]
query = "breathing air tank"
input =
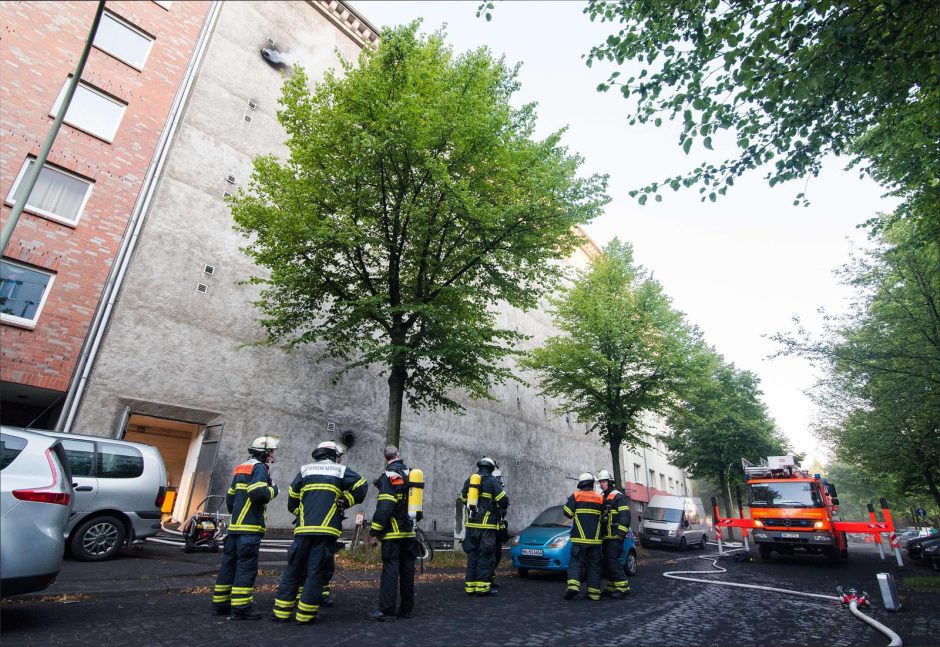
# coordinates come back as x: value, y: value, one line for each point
x: 415, y: 493
x: 473, y: 492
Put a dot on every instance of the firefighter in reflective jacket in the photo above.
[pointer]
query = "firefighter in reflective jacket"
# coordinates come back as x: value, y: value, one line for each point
x: 585, y: 507
x: 482, y: 526
x: 247, y: 499
x: 616, y: 520
x: 318, y: 495
x: 395, y: 528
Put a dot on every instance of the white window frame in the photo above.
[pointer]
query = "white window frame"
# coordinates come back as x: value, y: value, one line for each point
x: 58, y: 101
x: 116, y: 18
x: 42, y: 212
x: 22, y: 322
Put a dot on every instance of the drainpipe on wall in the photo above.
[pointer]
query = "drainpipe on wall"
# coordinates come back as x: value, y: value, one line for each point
x: 128, y: 243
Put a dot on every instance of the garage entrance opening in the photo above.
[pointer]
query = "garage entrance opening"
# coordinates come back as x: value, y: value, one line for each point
x: 188, y: 450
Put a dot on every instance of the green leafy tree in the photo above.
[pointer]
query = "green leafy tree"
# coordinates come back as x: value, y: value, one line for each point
x: 882, y: 361
x: 720, y: 421
x: 622, y: 352
x: 790, y: 82
x: 414, y: 202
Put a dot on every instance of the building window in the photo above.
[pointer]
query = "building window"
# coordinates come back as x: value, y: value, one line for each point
x: 651, y: 481
x: 636, y: 473
x: 123, y: 41
x: 23, y: 292
x: 92, y: 111
x: 670, y: 485
x: 57, y: 194
x: 662, y: 481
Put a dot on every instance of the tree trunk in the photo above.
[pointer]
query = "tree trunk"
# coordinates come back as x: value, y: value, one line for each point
x: 615, y: 462
x: 932, y: 485
x: 726, y: 497
x: 397, y: 379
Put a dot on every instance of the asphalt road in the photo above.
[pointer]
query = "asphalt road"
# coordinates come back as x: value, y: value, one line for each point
x: 529, y: 611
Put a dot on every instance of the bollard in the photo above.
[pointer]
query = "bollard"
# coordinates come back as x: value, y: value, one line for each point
x: 873, y: 519
x: 737, y: 492
x: 717, y: 527
x: 892, y: 537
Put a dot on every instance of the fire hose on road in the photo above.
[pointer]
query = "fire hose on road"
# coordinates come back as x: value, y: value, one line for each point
x: 852, y: 604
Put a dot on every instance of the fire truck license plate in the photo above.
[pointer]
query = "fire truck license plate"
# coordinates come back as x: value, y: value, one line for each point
x: 790, y: 535
x: 536, y: 552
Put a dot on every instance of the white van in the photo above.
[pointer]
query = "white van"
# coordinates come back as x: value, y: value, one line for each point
x: 677, y: 521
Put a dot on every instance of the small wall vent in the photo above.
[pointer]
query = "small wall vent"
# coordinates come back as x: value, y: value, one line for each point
x: 252, y: 104
x: 231, y: 179
x: 247, y: 119
x: 226, y: 194
x: 201, y: 288
x: 209, y: 269
x: 270, y: 42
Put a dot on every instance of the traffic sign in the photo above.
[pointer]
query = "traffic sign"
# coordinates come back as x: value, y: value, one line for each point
x: 921, y: 512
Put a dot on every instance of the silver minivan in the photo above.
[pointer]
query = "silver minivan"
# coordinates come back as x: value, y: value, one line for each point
x: 35, y: 501
x: 677, y: 521
x: 119, y: 488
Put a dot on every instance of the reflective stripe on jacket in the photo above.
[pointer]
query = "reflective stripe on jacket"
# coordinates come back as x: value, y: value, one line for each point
x: 248, y: 497
x: 314, y: 493
x: 391, y: 520
x: 492, y: 503
x: 618, y: 514
x: 585, y: 507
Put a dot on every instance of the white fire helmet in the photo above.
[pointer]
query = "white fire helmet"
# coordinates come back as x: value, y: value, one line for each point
x: 604, y: 475
x: 586, y: 477
x: 264, y: 444
x: 330, y: 446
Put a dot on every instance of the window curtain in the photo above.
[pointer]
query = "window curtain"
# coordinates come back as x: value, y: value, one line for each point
x: 56, y: 193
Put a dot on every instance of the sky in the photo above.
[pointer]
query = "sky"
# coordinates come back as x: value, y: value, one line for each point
x: 740, y: 268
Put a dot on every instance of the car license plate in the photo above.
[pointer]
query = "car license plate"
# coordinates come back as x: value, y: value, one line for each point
x: 536, y: 552
x: 790, y: 535
x: 655, y: 538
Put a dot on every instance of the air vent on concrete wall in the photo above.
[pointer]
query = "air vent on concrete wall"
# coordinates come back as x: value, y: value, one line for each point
x: 231, y: 179
x: 247, y: 119
x: 226, y: 194
x: 270, y: 42
x: 201, y: 288
x: 252, y: 104
x: 209, y: 269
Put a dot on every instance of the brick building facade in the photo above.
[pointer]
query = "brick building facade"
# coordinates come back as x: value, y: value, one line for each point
x: 64, y: 245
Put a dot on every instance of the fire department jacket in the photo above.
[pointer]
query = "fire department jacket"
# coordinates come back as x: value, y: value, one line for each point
x: 493, y: 502
x: 585, y: 507
x: 319, y: 494
x: 391, y: 520
x: 617, y: 509
x: 247, y: 499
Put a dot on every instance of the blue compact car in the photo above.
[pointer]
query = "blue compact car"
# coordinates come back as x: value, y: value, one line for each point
x: 544, y: 545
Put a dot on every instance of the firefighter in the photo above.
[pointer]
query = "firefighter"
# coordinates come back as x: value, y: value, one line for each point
x: 487, y: 501
x: 502, y: 535
x: 616, y: 524
x: 247, y: 499
x: 318, y: 495
x: 396, y: 529
x: 585, y: 506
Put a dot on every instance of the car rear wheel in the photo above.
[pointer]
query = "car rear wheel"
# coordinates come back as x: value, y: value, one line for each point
x: 683, y: 544
x: 629, y: 565
x: 523, y: 572
x: 98, y: 539
x: 703, y: 544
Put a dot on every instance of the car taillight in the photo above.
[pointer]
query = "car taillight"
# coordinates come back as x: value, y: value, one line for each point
x: 161, y: 497
x: 43, y: 496
x: 46, y: 494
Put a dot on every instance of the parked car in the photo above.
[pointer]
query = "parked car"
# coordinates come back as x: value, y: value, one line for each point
x: 677, y: 521
x: 907, y: 535
x: 915, y: 547
x: 931, y: 553
x: 35, y: 502
x: 544, y: 545
x: 119, y: 490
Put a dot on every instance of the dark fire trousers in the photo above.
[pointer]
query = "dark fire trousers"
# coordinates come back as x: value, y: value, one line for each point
x: 480, y: 545
x: 613, y: 571
x: 585, y: 557
x: 398, y: 575
x: 237, y: 572
x: 308, y: 561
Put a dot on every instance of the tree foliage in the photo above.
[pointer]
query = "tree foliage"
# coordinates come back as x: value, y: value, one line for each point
x: 719, y: 421
x: 790, y: 82
x: 414, y: 199
x: 882, y: 363
x: 622, y: 353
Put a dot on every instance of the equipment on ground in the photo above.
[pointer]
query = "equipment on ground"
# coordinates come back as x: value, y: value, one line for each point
x: 207, y: 528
